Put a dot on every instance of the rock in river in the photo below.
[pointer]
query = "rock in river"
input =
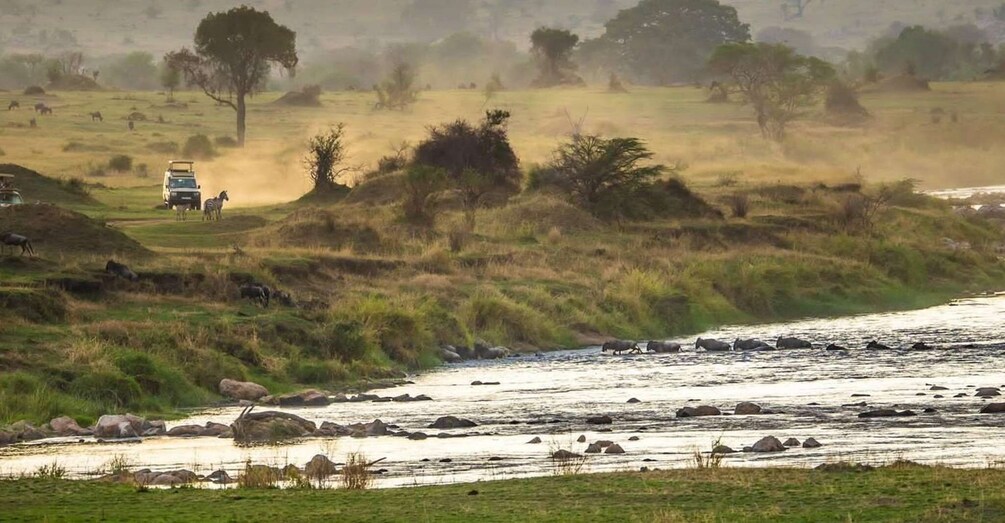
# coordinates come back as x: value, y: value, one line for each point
x: 747, y: 408
x: 791, y: 442
x: 271, y: 426
x: 768, y: 444
x: 885, y: 413
x: 614, y: 449
x: 307, y: 398
x: 811, y: 443
x: 452, y: 422
x: 600, y: 420
x: 692, y: 412
x: 994, y: 408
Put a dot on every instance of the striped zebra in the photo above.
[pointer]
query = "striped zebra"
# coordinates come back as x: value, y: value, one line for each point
x: 213, y: 207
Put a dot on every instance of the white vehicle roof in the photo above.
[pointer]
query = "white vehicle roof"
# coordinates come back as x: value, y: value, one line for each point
x: 187, y: 166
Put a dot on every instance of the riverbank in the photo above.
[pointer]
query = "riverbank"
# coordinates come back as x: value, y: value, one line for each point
x: 900, y: 492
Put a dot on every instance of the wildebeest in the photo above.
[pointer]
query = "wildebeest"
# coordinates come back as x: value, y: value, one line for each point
x: 212, y: 209
x: 16, y: 240
x: 14, y: 104
x: 97, y: 116
x: 120, y: 270
x: 792, y: 343
x: 284, y: 298
x: 45, y: 110
x: 875, y: 345
x: 750, y: 345
x: 833, y: 347
x: 132, y: 126
x: 712, y: 345
x: 662, y: 347
x: 32, y: 123
x: 621, y: 347
x: 254, y: 291
x: 39, y: 106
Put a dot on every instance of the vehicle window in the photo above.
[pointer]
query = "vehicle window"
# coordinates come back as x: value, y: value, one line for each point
x: 10, y: 198
x: 182, y: 183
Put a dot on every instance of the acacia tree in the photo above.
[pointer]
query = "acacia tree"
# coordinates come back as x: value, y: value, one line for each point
x: 326, y: 153
x: 663, y: 41
x: 398, y: 90
x: 600, y: 174
x: 553, y: 50
x: 233, y: 54
x: 776, y: 81
x: 170, y: 79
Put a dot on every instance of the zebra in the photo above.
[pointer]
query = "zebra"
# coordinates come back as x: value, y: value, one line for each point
x: 181, y: 212
x: 97, y: 116
x: 212, y: 209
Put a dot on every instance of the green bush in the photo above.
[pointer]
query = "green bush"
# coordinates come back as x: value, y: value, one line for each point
x: 342, y: 340
x: 157, y: 379
x: 107, y: 388
x: 315, y: 372
x: 121, y: 163
x: 198, y: 147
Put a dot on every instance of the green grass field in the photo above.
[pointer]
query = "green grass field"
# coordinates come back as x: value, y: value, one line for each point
x: 535, y: 273
x: 902, y: 493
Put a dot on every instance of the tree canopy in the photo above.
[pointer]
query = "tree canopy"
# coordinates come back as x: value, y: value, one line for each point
x: 665, y: 41
x: 775, y: 80
x: 553, y: 50
x: 234, y: 52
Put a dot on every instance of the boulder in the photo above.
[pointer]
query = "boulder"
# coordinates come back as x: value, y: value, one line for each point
x: 693, y: 412
x: 417, y: 436
x: 614, y: 449
x: 988, y: 392
x: 220, y: 477
x: 271, y: 426
x: 722, y: 449
x: 450, y: 356
x: 599, y: 420
x: 166, y: 480
x: 747, y: 408
x: 242, y: 390
x: 307, y: 398
x: 634, y: 400
x: 376, y: 428
x: 452, y: 422
x: 24, y: 431
x: 633, y: 438
x: 936, y: 387
x: 534, y: 441
x: 478, y: 383
x: 768, y: 444
x: 67, y: 426
x: 593, y: 448
x: 791, y: 442
x: 119, y: 426
x: 581, y: 439
x: 320, y: 467
x: 186, y: 431
x: 811, y: 443
x: 993, y: 408
x: 216, y: 430
x: 563, y: 454
x: 885, y: 413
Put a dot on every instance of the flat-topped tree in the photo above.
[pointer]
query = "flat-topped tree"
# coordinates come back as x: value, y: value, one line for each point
x: 234, y: 52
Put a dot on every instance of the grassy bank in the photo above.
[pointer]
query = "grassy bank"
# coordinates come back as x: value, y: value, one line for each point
x: 896, y: 493
x: 377, y: 296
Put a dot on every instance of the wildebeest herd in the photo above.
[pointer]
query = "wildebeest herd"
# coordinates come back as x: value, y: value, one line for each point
x: 618, y: 347
x: 11, y: 240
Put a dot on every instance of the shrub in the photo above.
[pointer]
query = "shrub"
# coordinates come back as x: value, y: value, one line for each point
x: 225, y: 141
x: 343, y: 340
x: 198, y: 147
x: 163, y: 147
x: 739, y: 205
x: 356, y: 472
x: 842, y: 101
x: 313, y: 371
x: 34, y: 90
x: 142, y: 170
x: 398, y: 90
x: 108, y: 388
x: 421, y: 185
x: 121, y: 163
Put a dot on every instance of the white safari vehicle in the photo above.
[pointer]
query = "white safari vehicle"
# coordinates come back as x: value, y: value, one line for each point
x: 180, y: 185
x: 8, y: 194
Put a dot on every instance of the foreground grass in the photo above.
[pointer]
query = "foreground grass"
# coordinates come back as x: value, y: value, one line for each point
x: 897, y: 493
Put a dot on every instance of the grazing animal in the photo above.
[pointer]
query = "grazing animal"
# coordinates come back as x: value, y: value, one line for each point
x: 16, y: 240
x: 39, y: 106
x: 712, y: 345
x: 181, y: 212
x: 621, y: 347
x: 663, y: 347
x: 97, y: 116
x: 875, y: 345
x: 45, y: 110
x: 212, y: 209
x: 284, y: 298
x: 254, y: 291
x: 751, y: 345
x: 32, y: 123
x: 793, y: 343
x: 14, y: 104
x: 833, y: 347
x: 120, y: 270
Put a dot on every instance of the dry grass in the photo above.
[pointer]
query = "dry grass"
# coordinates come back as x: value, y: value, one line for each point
x: 356, y: 473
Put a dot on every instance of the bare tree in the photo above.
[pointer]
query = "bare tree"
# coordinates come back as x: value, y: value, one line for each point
x: 326, y: 153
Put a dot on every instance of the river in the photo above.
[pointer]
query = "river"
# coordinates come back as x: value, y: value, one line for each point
x: 551, y: 395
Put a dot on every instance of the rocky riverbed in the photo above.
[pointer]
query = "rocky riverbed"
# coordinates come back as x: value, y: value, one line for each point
x: 800, y: 407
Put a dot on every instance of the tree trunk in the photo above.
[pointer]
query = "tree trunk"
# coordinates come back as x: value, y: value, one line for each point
x: 242, y: 114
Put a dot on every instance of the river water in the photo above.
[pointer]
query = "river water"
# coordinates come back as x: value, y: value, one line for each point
x: 551, y: 395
